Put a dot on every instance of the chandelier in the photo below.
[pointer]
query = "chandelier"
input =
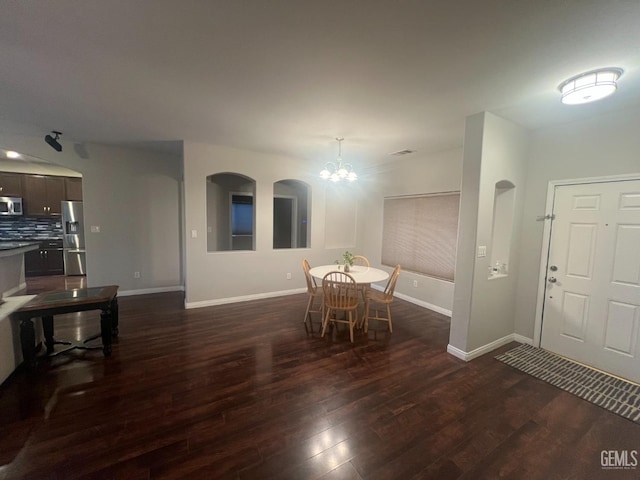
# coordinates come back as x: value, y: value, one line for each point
x: 338, y: 171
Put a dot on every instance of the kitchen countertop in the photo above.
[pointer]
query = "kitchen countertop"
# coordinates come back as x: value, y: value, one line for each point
x: 8, y: 249
x: 28, y: 239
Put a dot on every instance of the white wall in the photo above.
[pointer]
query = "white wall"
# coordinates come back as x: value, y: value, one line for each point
x: 11, y: 274
x: 10, y: 349
x: 484, y: 308
x: 606, y: 145
x: 218, y: 277
x: 134, y: 197
x: 415, y: 174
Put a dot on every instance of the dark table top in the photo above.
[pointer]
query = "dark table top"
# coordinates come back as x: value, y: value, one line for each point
x: 74, y: 298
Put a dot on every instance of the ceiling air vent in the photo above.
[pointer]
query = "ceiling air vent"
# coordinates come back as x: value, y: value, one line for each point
x: 402, y: 152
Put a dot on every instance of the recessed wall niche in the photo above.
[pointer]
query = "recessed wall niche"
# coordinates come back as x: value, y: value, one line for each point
x: 291, y: 224
x: 231, y: 216
x: 502, y: 230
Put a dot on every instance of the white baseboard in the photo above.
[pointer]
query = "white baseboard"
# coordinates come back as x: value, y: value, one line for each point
x: 282, y: 293
x: 475, y: 353
x: 144, y: 291
x: 522, y: 339
x: 456, y: 352
x: 420, y: 303
x: 243, y: 298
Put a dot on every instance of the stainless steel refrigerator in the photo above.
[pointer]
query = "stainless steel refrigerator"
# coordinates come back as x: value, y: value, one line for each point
x: 73, y: 239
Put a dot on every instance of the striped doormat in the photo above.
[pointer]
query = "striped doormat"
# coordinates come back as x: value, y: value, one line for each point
x: 616, y: 395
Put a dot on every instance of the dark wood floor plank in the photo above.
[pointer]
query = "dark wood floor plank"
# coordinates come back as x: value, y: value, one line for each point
x: 241, y: 391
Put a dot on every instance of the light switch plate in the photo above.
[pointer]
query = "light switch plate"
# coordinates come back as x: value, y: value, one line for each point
x: 95, y: 228
x: 482, y: 251
x: 194, y: 234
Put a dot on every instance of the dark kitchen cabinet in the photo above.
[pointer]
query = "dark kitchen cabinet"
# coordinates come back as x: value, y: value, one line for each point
x: 73, y: 189
x: 47, y: 260
x: 43, y: 194
x: 10, y: 184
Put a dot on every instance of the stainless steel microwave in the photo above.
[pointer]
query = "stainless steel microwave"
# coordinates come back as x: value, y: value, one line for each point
x: 10, y: 206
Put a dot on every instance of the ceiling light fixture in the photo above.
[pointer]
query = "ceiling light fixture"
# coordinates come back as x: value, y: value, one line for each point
x: 12, y: 154
x: 590, y: 86
x: 338, y: 171
x: 53, y: 142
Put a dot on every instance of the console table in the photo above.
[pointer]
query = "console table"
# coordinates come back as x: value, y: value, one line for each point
x: 59, y: 302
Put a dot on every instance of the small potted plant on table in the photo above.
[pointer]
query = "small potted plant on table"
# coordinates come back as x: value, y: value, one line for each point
x: 348, y: 260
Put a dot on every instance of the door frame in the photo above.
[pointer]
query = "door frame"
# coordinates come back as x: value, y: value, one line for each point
x: 294, y: 218
x: 253, y: 241
x: 546, y: 239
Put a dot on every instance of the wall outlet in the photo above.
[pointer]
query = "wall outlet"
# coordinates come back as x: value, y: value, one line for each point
x: 194, y: 234
x: 288, y: 276
x: 95, y: 228
x: 415, y: 283
x: 136, y: 274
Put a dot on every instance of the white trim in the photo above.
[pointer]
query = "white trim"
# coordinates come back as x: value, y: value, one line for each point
x: 243, y: 298
x: 475, y: 353
x: 259, y: 296
x: 14, y: 290
x: 522, y: 339
x: 416, y: 301
x: 546, y: 239
x: 456, y: 352
x: 422, y: 303
x: 144, y: 291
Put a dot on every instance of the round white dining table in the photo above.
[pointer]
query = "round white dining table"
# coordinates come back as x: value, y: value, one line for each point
x: 360, y: 273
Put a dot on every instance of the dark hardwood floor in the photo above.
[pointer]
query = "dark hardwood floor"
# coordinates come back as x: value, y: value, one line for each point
x: 240, y: 391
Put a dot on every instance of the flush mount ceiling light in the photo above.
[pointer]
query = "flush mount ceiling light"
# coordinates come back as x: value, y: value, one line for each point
x: 338, y: 171
x: 590, y: 86
x: 12, y: 154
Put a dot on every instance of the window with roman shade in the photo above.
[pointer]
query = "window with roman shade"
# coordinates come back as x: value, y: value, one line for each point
x: 420, y: 233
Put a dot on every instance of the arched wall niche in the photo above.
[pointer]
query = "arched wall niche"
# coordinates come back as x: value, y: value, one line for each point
x: 231, y: 213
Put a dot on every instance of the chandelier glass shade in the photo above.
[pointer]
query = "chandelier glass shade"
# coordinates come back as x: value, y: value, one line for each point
x: 590, y: 86
x: 339, y: 170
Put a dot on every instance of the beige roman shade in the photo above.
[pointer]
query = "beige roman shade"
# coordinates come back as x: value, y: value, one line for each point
x: 420, y: 233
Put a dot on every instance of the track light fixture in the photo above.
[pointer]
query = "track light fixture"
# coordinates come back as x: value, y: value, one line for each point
x: 53, y: 141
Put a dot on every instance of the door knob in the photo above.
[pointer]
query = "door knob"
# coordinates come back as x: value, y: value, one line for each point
x: 552, y: 280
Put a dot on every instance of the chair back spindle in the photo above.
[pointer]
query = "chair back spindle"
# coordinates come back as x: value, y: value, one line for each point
x: 340, y: 294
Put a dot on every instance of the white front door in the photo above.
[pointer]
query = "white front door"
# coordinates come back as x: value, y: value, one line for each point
x: 592, y: 298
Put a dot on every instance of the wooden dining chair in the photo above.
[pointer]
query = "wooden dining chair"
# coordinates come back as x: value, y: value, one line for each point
x: 340, y: 295
x: 379, y: 301
x: 315, y: 293
x: 362, y: 261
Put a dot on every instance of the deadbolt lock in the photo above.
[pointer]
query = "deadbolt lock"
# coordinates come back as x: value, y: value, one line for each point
x: 553, y: 268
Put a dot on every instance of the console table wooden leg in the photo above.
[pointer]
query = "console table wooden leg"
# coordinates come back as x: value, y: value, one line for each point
x: 105, y: 331
x: 114, y: 317
x: 47, y: 328
x: 28, y: 342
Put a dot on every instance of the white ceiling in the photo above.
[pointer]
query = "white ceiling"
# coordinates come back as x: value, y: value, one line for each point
x: 288, y: 76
